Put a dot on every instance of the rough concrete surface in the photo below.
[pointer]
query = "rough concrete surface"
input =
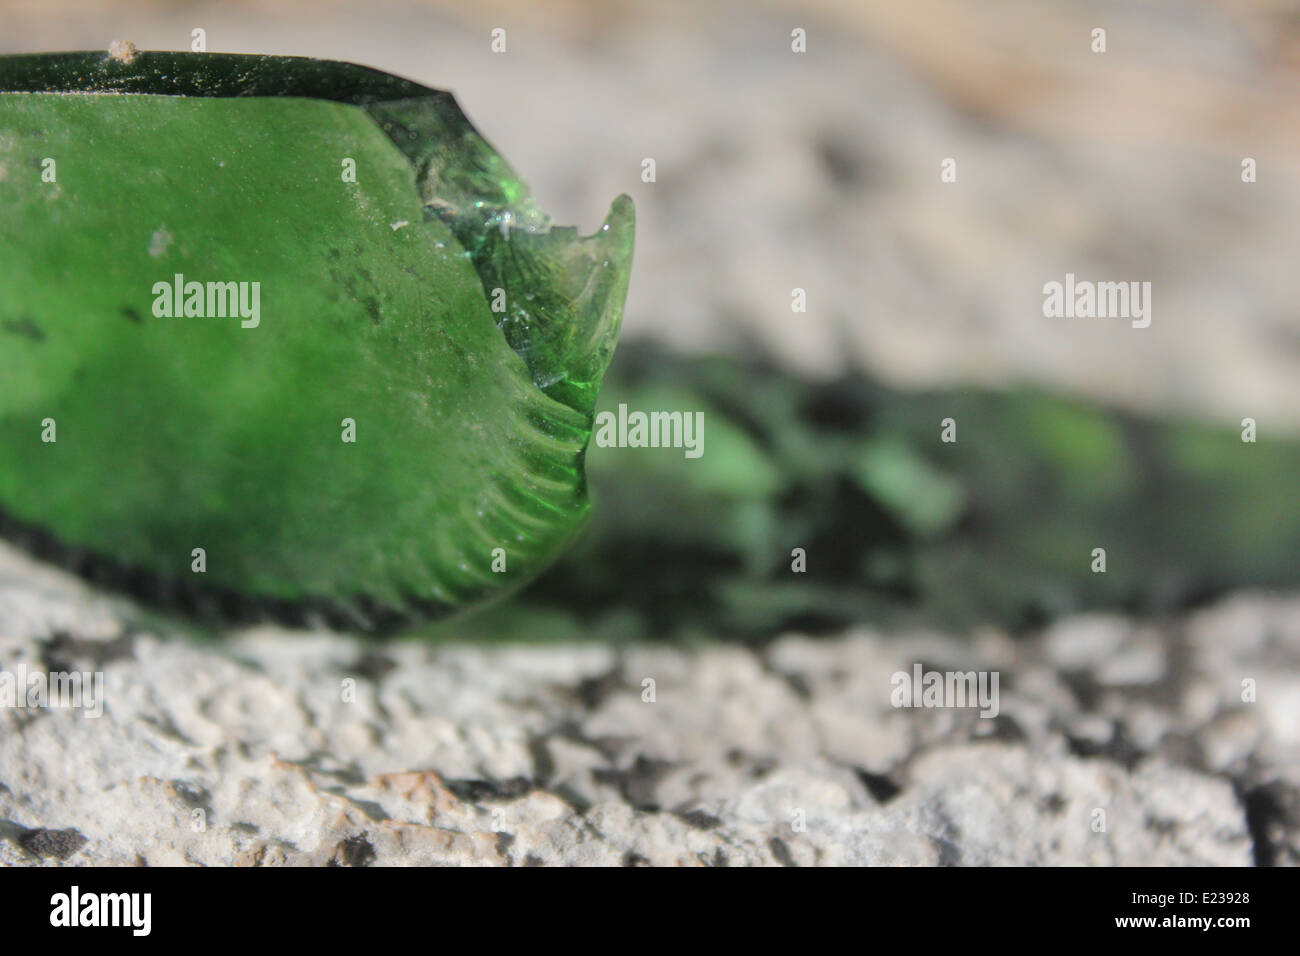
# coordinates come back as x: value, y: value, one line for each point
x: 1115, y: 742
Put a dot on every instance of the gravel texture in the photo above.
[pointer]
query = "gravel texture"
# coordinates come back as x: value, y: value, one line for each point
x: 276, y: 747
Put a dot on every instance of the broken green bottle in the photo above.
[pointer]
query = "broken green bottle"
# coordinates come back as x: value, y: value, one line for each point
x: 285, y: 336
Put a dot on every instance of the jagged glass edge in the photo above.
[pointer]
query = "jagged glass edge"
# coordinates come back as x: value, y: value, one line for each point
x: 565, y: 293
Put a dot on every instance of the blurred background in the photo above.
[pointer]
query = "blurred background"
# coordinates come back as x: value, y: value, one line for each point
x: 821, y: 170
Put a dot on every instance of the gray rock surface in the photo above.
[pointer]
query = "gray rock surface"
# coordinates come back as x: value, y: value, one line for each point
x: 1115, y: 742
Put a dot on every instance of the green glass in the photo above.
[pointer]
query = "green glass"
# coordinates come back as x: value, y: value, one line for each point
x: 409, y: 297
